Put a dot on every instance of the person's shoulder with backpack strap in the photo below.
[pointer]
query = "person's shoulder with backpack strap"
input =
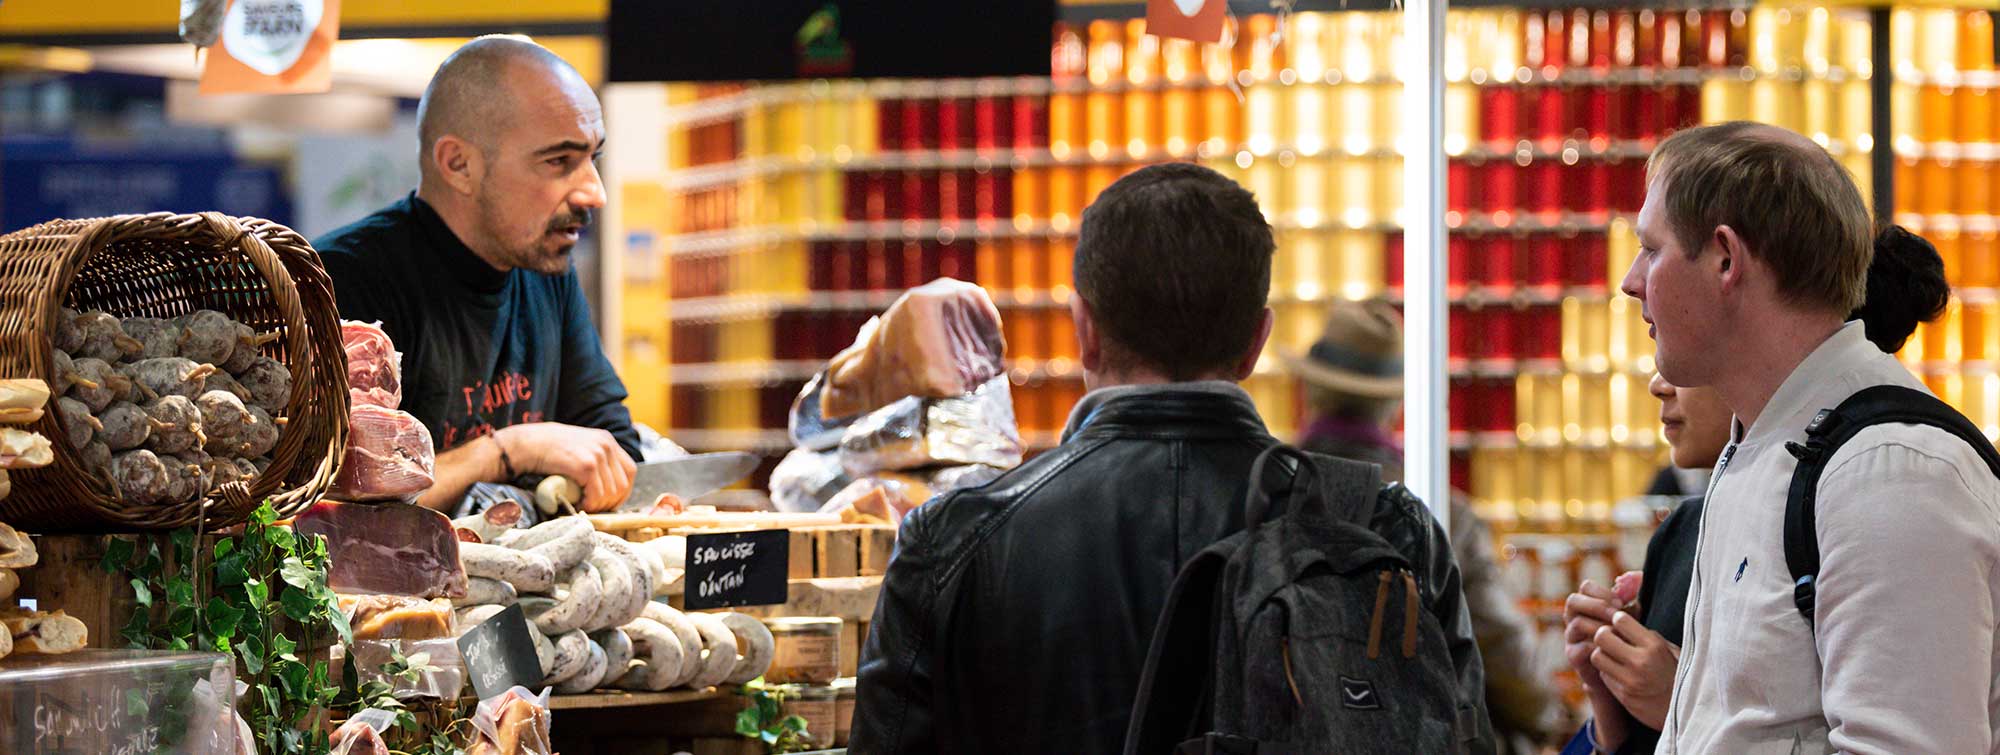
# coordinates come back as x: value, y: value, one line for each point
x: 1892, y: 537
x: 1408, y: 524
x: 1337, y: 625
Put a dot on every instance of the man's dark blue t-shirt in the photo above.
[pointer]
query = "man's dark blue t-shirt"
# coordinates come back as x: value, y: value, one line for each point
x: 482, y: 349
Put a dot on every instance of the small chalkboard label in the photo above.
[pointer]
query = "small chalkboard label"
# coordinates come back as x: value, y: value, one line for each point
x: 499, y: 654
x: 729, y: 569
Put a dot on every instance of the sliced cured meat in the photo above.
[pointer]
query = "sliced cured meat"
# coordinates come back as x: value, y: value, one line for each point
x: 389, y: 456
x: 387, y: 548
x: 374, y: 368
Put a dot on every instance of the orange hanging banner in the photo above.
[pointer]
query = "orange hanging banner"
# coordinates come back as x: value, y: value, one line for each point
x: 273, y: 47
x: 1199, y: 20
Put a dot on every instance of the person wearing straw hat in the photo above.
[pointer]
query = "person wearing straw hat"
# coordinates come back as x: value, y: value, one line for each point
x: 1353, y: 379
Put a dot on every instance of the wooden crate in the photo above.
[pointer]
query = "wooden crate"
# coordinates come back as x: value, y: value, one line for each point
x: 69, y: 576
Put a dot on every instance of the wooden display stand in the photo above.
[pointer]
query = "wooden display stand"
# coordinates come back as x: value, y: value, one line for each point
x: 835, y: 570
x: 70, y: 576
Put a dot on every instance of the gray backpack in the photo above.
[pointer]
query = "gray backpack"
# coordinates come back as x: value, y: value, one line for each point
x: 1304, y: 633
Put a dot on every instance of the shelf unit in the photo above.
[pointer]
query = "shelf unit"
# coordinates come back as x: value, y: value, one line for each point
x: 786, y: 214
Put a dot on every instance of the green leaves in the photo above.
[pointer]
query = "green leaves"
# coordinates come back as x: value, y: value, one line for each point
x: 763, y: 721
x: 252, y: 651
x: 116, y: 555
x: 221, y: 598
x: 296, y: 573
x: 223, y: 618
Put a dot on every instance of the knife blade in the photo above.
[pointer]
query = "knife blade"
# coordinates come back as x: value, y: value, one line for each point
x: 687, y: 477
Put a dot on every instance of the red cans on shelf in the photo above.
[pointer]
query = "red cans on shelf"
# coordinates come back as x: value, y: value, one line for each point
x: 1500, y: 115
x: 1497, y: 261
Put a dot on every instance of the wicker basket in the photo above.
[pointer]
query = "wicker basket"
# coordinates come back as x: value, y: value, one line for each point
x: 165, y: 265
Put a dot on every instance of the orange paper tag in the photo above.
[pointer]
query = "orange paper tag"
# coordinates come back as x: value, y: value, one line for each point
x: 1199, y: 20
x: 273, y: 47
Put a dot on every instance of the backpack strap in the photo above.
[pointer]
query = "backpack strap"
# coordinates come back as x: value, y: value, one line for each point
x: 1177, y: 685
x: 1831, y: 428
x: 1345, y: 490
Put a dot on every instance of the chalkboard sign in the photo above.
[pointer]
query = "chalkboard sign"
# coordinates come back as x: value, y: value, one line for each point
x: 500, y: 654
x: 729, y: 569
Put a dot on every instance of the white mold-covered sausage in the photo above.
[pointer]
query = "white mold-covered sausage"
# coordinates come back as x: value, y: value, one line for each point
x: 718, y: 652
x: 754, y: 647
x: 486, y: 591
x: 684, y: 631
x: 658, y: 657
x: 617, y: 654
x: 592, y: 674
x: 642, y: 576
x: 490, y: 524
x: 476, y: 615
x: 527, y: 572
x: 545, y: 651
x: 570, y: 546
x: 572, y: 655
x: 545, y: 532
x: 574, y: 602
x: 619, y: 587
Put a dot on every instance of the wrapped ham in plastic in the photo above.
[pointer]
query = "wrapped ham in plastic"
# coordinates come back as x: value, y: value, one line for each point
x: 938, y: 340
x: 386, y: 548
x: 397, y: 617
x: 806, y: 479
x: 513, y: 723
x: 911, y: 433
x: 362, y: 734
x: 389, y: 456
x: 374, y: 367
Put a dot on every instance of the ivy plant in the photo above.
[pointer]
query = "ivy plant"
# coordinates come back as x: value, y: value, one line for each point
x: 260, y: 596
x: 407, y: 735
x: 763, y: 720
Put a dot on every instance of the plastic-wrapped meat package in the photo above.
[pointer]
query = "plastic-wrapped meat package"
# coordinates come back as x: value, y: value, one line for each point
x: 874, y: 500
x: 911, y: 433
x: 397, y: 617
x: 958, y: 478
x: 513, y: 723
x: 374, y: 367
x: 806, y: 479
x: 883, y: 498
x: 444, y: 681
x: 938, y: 340
x: 362, y: 734
x: 389, y: 456
x: 386, y: 548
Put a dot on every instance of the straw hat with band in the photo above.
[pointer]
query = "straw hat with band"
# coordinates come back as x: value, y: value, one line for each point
x: 1360, y: 352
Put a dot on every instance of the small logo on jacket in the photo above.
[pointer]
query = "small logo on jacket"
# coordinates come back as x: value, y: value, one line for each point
x: 1740, y: 567
x: 1358, y: 694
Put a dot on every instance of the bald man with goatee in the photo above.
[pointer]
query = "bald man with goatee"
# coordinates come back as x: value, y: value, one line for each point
x: 471, y: 276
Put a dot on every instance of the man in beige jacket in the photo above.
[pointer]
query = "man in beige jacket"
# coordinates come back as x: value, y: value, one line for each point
x: 1754, y: 247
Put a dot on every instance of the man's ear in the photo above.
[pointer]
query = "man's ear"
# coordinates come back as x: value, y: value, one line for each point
x: 1732, y: 264
x: 1248, y: 363
x: 1090, y: 350
x: 460, y: 163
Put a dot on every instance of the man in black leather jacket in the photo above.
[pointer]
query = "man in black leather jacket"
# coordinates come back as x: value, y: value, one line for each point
x: 1016, y: 617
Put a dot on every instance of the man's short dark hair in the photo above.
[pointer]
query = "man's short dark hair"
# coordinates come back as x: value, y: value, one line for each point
x: 1175, y: 263
x: 1795, y: 207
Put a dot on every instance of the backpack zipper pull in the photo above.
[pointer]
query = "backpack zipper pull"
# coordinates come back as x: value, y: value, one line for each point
x: 1285, y: 650
x: 1375, y: 621
x: 1410, y: 616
